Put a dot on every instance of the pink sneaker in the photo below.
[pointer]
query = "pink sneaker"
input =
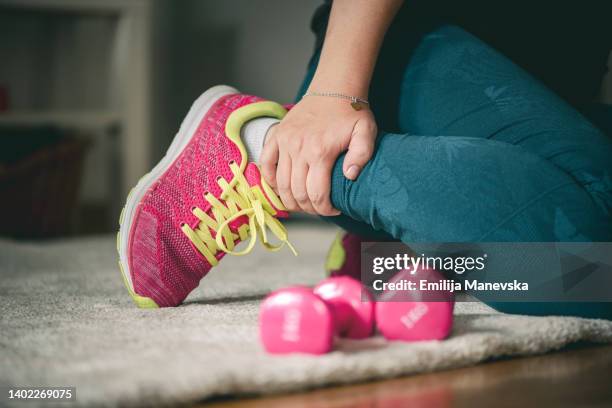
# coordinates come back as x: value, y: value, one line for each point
x: 344, y: 256
x: 198, y: 202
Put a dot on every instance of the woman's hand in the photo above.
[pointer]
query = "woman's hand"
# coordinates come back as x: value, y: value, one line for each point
x: 300, y: 151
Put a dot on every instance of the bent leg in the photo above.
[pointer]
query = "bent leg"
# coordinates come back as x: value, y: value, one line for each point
x: 505, y: 159
x: 448, y: 83
x: 456, y: 85
x: 456, y: 189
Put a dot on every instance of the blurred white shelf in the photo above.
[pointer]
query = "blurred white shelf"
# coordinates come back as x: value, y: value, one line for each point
x: 74, y: 119
x: 124, y: 70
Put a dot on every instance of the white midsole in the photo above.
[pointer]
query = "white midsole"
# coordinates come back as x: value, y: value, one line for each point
x: 189, y: 126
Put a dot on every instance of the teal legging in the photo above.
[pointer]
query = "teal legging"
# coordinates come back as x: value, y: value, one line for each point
x: 473, y: 149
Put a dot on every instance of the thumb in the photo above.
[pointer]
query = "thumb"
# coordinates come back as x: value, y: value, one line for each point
x: 360, y: 149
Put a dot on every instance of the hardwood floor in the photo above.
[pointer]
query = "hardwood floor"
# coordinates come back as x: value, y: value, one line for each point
x: 580, y: 377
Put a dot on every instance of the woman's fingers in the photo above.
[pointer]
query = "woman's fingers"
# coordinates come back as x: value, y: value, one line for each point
x: 283, y: 181
x: 300, y: 152
x: 269, y: 158
x: 299, y: 172
x: 360, y: 149
x: 318, y: 186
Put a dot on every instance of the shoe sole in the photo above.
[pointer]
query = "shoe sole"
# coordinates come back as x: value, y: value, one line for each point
x: 189, y: 126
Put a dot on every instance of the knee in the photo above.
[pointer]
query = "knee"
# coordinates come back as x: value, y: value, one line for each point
x: 452, y: 43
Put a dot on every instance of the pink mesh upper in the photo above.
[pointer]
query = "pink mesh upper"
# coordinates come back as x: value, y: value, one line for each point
x: 164, y: 265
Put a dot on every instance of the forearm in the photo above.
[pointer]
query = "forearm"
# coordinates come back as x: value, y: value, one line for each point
x: 354, y: 35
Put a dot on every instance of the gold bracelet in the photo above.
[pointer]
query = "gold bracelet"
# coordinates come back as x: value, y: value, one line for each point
x: 356, y: 103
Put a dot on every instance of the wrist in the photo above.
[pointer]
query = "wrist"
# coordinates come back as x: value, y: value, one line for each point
x: 344, y: 84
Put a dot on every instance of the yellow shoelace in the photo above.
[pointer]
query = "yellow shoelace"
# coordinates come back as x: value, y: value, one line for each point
x: 239, y: 199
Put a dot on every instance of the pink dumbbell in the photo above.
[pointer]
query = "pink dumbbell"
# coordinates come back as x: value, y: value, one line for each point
x: 415, y: 315
x: 303, y: 320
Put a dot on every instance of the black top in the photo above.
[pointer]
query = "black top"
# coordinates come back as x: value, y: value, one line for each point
x: 565, y: 44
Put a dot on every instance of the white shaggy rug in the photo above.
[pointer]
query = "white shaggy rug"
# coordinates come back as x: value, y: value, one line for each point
x: 66, y: 320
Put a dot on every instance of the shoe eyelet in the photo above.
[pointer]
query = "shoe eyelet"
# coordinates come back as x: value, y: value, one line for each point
x: 231, y: 162
x: 193, y: 208
x: 219, y: 178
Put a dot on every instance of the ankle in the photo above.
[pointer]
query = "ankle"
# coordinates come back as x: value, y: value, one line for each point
x: 254, y: 134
